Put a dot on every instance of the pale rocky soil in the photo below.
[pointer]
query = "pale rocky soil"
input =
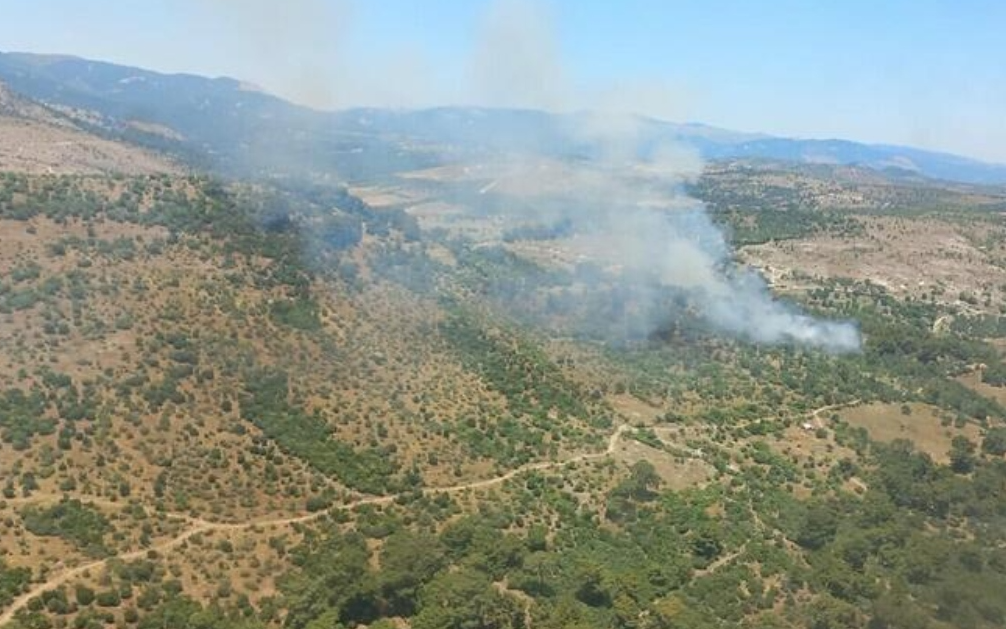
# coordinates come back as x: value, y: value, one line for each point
x: 37, y: 140
x: 906, y: 256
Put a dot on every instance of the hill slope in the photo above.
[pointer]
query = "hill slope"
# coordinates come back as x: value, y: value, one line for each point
x: 37, y: 139
x: 269, y: 404
x: 289, y: 409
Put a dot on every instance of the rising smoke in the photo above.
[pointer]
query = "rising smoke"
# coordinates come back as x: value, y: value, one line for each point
x: 623, y: 199
x: 631, y: 197
x: 628, y: 212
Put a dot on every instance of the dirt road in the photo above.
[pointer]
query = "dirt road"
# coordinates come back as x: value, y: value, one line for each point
x: 200, y: 525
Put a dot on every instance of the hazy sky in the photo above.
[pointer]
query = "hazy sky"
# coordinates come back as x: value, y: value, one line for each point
x: 929, y: 73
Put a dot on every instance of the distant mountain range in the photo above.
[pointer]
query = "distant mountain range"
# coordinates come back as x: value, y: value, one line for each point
x: 234, y: 128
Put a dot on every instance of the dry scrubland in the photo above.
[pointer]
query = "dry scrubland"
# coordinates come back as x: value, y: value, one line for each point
x: 211, y: 415
x: 948, y: 261
x: 38, y: 140
x: 34, y: 147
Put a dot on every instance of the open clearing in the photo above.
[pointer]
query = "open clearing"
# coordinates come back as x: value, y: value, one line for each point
x: 677, y: 472
x: 922, y: 426
x: 974, y: 381
x: 907, y: 257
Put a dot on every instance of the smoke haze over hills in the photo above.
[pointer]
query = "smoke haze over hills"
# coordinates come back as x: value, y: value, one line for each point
x: 630, y: 192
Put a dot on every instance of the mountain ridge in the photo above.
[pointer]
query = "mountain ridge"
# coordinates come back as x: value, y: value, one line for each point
x: 252, y: 130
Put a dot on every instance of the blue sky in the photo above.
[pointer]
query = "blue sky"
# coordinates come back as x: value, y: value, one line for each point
x: 925, y: 73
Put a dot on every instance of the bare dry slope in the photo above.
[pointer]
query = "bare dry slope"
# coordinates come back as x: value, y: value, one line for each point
x: 35, y: 139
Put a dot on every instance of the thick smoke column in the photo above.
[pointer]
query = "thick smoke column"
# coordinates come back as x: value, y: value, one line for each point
x: 625, y: 209
x: 615, y: 182
x: 628, y: 195
x: 740, y: 303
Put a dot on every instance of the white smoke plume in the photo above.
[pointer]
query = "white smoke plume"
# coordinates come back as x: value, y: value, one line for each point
x: 633, y: 219
x: 623, y: 196
x: 629, y: 197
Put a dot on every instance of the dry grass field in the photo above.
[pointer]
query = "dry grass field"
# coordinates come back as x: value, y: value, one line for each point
x: 37, y: 140
x: 927, y: 427
x: 922, y: 258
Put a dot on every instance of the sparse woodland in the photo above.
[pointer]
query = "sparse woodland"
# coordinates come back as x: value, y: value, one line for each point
x: 270, y: 405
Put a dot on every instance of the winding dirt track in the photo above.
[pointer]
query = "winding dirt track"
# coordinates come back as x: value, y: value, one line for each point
x: 200, y: 525
x: 816, y: 414
x: 204, y: 526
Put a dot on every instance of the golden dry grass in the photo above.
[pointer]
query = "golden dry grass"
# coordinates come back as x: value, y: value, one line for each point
x: 974, y: 381
x: 923, y: 426
x: 906, y: 256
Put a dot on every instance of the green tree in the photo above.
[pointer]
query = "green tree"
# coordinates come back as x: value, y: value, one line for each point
x: 827, y: 612
x: 962, y: 455
x: 466, y: 599
x: 818, y: 527
x: 643, y: 480
x: 407, y: 561
x: 994, y: 442
x: 84, y: 595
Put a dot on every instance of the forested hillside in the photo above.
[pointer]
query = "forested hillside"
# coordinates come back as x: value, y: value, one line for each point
x: 272, y: 404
